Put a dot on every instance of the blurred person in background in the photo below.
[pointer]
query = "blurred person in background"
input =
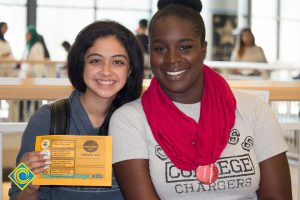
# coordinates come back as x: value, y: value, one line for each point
x: 7, y: 70
x: 62, y: 71
x: 46, y: 51
x: 66, y: 45
x: 5, y: 52
x: 247, y: 51
x: 142, y: 36
x: 34, y: 51
x: 34, y: 54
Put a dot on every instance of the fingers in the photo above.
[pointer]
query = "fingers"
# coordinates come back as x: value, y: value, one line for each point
x: 36, y: 161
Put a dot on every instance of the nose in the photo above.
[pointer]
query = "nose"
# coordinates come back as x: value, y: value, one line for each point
x: 174, y: 56
x: 106, y: 70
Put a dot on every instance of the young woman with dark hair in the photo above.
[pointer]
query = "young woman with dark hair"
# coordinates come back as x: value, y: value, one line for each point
x: 190, y: 136
x: 105, y: 67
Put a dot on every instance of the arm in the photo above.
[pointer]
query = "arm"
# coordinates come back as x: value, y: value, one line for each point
x: 263, y: 57
x: 275, y: 182
x: 130, y: 152
x: 134, y: 179
x: 271, y: 149
x: 37, y: 163
x: 38, y: 124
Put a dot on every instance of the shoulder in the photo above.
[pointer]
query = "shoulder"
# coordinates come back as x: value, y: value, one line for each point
x: 37, y: 47
x: 257, y: 48
x: 42, y: 112
x: 40, y: 120
x: 129, y: 108
x: 131, y: 112
x: 249, y: 103
x: 38, y: 124
x: 243, y: 98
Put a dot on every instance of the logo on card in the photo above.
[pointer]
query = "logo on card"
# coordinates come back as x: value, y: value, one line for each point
x: 90, y: 146
x: 22, y: 176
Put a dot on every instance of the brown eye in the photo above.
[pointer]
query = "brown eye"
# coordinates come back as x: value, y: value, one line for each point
x: 159, y: 49
x: 94, y: 61
x: 119, y: 62
x: 185, y: 47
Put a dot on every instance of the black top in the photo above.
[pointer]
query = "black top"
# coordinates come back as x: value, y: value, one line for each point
x: 143, y: 40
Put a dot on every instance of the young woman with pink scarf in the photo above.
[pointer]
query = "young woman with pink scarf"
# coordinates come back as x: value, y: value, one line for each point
x: 190, y: 136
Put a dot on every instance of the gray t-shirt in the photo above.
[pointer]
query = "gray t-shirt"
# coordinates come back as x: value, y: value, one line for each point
x: 256, y: 136
x: 80, y: 124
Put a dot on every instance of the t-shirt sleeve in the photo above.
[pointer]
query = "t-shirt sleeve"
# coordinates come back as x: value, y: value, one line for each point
x: 127, y: 128
x: 269, y: 140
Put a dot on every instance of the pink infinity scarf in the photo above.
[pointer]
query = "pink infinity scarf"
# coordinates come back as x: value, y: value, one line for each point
x: 187, y: 143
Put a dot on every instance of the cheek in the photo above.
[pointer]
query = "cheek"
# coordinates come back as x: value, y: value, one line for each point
x: 123, y: 75
x: 89, y: 72
x: 156, y: 60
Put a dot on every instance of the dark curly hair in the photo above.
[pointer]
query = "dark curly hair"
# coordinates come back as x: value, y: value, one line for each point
x: 186, y: 9
x: 85, y: 39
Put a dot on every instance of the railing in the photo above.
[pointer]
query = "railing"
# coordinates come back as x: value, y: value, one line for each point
x: 54, y: 67
x: 9, y: 67
x: 53, y: 88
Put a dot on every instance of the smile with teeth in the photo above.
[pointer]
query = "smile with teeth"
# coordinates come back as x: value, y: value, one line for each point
x: 176, y: 73
x: 105, y: 82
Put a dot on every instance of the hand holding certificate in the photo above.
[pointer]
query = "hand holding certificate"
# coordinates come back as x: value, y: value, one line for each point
x: 76, y: 160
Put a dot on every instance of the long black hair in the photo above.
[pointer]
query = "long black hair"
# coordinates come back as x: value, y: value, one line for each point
x: 85, y: 39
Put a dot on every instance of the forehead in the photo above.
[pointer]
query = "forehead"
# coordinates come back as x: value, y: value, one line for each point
x: 247, y: 33
x: 173, y: 27
x: 108, y: 42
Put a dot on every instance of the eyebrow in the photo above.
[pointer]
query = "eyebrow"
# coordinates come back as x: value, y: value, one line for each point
x: 114, y: 56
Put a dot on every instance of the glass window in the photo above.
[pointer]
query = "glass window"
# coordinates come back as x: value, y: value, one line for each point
x: 127, y: 18
x: 290, y: 41
x: 125, y: 4
x: 290, y: 31
x: 264, y: 31
x: 15, y: 17
x: 13, y: 2
x: 265, y: 8
x: 59, y: 24
x: 264, y: 26
x: 67, y: 3
x: 290, y: 9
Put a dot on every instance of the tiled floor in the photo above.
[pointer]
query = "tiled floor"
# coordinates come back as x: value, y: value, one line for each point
x: 293, y: 168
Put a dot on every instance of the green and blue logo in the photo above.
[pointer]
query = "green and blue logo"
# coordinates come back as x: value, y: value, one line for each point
x: 22, y: 176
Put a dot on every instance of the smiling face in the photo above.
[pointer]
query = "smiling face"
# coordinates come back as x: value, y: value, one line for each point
x: 106, y: 68
x: 177, y: 55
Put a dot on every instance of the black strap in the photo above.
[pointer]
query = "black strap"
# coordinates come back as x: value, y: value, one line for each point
x: 60, y: 117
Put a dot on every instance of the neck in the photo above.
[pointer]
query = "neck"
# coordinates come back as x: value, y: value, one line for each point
x: 96, y: 108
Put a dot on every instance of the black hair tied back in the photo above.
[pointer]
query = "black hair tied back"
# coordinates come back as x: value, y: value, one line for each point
x: 193, y: 4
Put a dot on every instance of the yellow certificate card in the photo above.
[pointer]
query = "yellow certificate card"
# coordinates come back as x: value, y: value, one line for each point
x: 76, y: 160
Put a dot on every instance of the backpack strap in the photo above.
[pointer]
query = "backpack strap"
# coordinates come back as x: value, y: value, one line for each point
x: 60, y: 117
